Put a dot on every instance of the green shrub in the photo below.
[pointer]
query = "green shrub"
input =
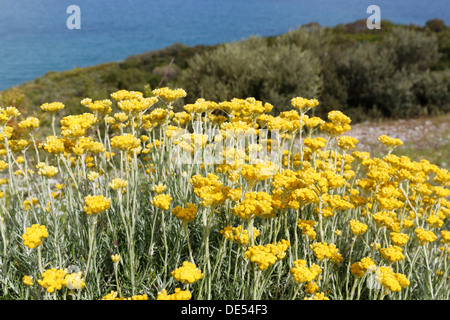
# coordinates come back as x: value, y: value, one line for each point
x: 252, y: 68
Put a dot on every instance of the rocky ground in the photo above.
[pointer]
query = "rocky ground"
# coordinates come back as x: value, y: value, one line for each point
x: 423, y: 138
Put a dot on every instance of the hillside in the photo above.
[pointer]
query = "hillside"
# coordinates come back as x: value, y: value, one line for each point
x: 396, y: 72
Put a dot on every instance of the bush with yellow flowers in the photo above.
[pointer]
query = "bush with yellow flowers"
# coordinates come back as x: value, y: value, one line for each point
x: 141, y: 197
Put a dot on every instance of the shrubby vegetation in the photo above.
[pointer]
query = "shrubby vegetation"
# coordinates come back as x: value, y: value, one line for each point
x: 396, y: 72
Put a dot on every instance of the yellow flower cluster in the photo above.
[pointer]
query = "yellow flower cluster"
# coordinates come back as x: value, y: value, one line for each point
x: 118, y: 183
x: 322, y: 251
x: 359, y: 269
x: 74, y: 281
x: 188, y: 273
x: 200, y: 106
x: 30, y: 203
x: 126, y: 142
x: 265, y: 256
x: 96, y: 204
x: 257, y: 172
x: 162, y: 201
x: 27, y: 280
x: 209, y: 189
x: 52, y: 279
x: 99, y: 106
x: 115, y: 258
x: 304, y: 104
x: 3, y: 165
x: 52, y: 107
x: 424, y: 236
x: 177, y: 295
x: 75, y: 126
x: 54, y: 145
x: 317, y: 296
x: 347, y: 143
x: 339, y: 123
x: 126, y: 95
x: 445, y: 235
x: 46, y: 170
x: 233, y: 194
x: 244, y: 108
x: 302, y: 273
x: 29, y: 123
x: 255, y: 204
x: 191, y: 143
x: 135, y: 106
x: 85, y: 145
x: 238, y: 235
x: 113, y: 296
x: 391, y: 221
x: 390, y: 142
x: 160, y: 188
x: 169, y: 95
x: 399, y: 239
x: 315, y: 143
x: 33, y: 236
x: 392, y: 253
x: 390, y: 280
x: 357, y: 227
x: 307, y: 227
x: 186, y: 214
x: 8, y: 113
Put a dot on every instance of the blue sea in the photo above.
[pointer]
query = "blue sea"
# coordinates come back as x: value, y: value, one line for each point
x: 35, y: 39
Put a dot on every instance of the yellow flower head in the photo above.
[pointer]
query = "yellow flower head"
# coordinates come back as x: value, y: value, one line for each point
x: 96, y: 204
x: 357, y: 227
x: 169, y: 95
x: 160, y: 188
x: 307, y: 227
x: 347, y: 143
x: 126, y: 95
x: 399, y: 239
x: 118, y: 183
x: 125, y: 142
x: 358, y: 269
x: 302, y: 273
x: 322, y: 251
x: 162, y: 201
x: 177, y: 295
x: 209, y: 189
x: 115, y: 258
x: 238, y: 235
x: 52, y: 279
x: 390, y: 142
x: 304, y: 104
x: 46, y: 170
x: 424, y: 236
x: 52, y: 107
x: 186, y: 214
x: 27, y: 280
x: 74, y: 281
x: 255, y: 204
x: 33, y: 236
x: 265, y: 256
x: 317, y: 296
x: 392, y: 253
x: 29, y: 123
x: 188, y: 273
x: 75, y: 126
x: 391, y: 281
